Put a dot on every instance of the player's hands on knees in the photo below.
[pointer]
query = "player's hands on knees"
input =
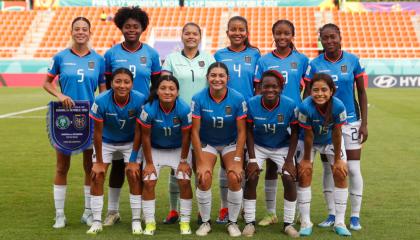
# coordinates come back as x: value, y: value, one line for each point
x: 66, y: 100
x: 304, y: 168
x: 133, y: 167
x: 97, y: 169
x: 340, y: 167
x: 252, y: 170
x: 184, y: 169
x: 290, y: 168
x: 363, y: 134
x: 148, y: 172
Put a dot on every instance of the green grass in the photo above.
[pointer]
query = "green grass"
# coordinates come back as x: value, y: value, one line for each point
x: 390, y: 168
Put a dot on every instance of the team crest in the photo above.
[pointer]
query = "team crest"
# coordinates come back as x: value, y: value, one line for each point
x: 228, y: 110
x: 143, y: 59
x: 280, y: 118
x: 91, y: 65
x: 293, y: 65
x: 175, y: 120
x: 247, y: 59
x: 131, y: 113
x: 343, y: 68
x: 79, y: 121
x: 201, y: 63
x: 62, y: 122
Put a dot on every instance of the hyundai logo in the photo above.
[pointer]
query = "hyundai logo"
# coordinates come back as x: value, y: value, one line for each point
x: 385, y: 81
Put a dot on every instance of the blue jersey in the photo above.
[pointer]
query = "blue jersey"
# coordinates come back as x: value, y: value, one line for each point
x: 166, y: 126
x: 310, y: 117
x: 79, y: 76
x: 343, y: 72
x: 143, y: 63
x: 218, y: 120
x: 292, y: 68
x: 119, y: 121
x: 241, y: 67
x: 270, y: 125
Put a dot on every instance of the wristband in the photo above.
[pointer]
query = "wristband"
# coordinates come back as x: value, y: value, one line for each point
x: 133, y: 156
x: 237, y: 159
x: 252, y: 160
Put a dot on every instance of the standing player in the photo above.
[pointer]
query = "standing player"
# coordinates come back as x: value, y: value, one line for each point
x: 219, y: 127
x: 115, y: 113
x: 241, y: 59
x: 143, y: 62
x: 322, y: 115
x: 269, y: 117
x: 292, y: 65
x: 189, y: 66
x: 346, y: 72
x: 80, y: 71
x: 166, y: 127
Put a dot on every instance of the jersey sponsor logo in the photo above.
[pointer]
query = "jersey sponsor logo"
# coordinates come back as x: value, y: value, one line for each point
x: 131, y: 113
x: 94, y: 108
x: 308, y: 70
x: 189, y: 117
x: 201, y: 63
x: 143, y: 115
x: 69, y: 64
x: 248, y: 59
x: 227, y: 60
x: 121, y: 60
x: 91, y: 65
x: 143, y: 60
x: 51, y: 65
x: 280, y: 118
x: 302, y: 118
x: 344, y: 68
x: 244, y: 107
x: 207, y: 110
x: 228, y: 110
x: 260, y: 118
x: 272, y: 67
x: 385, y: 81
x: 192, y: 106
x: 62, y: 122
x: 343, y: 116
x: 293, y: 65
x: 79, y: 121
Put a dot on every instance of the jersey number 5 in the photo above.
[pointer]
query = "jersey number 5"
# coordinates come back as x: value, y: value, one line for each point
x: 81, y: 74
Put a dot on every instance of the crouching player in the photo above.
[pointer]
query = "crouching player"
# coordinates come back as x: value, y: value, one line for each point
x: 114, y: 112
x: 322, y: 115
x: 166, y: 125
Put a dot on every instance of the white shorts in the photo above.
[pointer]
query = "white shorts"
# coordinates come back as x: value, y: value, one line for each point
x: 116, y: 151
x: 222, y: 150
x: 351, y: 135
x: 166, y: 158
x: 277, y: 155
x: 327, y: 149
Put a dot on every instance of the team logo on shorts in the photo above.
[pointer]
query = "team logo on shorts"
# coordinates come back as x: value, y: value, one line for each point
x: 79, y: 121
x: 247, y: 59
x: 201, y: 63
x: 280, y: 118
x: 91, y: 65
x: 293, y: 65
x: 131, y: 112
x: 143, y: 59
x: 175, y: 120
x: 228, y: 110
x: 343, y: 68
x: 62, y: 122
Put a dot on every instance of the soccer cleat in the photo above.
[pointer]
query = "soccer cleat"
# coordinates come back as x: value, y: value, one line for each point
x: 249, y: 229
x: 291, y: 231
x: 150, y: 229
x: 184, y: 228
x: 136, y: 227
x: 355, y: 224
x: 305, y: 229
x: 270, y: 219
x: 233, y: 229
x: 223, y: 216
x: 95, y: 228
x: 172, y: 217
x: 112, y: 218
x: 60, y: 221
x: 87, y: 217
x: 341, y: 230
x: 204, y: 229
x: 329, y: 222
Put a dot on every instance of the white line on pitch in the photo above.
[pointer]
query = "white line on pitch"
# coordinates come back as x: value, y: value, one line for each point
x: 25, y: 117
x: 22, y: 112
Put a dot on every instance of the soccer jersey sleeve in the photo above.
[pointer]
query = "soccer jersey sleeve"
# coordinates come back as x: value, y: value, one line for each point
x: 156, y: 67
x: 167, y: 65
x: 258, y: 71
x: 358, y: 69
x: 242, y: 109
x: 96, y: 112
x: 195, y: 107
x: 310, y: 71
x: 108, y: 67
x: 249, y: 116
x: 304, y: 119
x: 54, y: 68
x: 101, y: 77
x: 294, y: 113
x: 340, y: 115
x: 186, y: 118
x: 145, y: 118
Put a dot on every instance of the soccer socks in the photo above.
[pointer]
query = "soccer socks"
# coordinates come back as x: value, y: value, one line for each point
x: 250, y: 206
x: 270, y: 195
x: 97, y: 203
x: 304, y: 197
x: 204, y: 203
x: 149, y: 210
x: 356, y: 186
x: 114, y: 199
x: 173, y: 192
x: 135, y: 203
x: 59, y: 198
x: 328, y: 187
x: 86, y: 190
x: 223, y: 184
x: 289, y: 211
x: 185, y: 208
x: 340, y: 198
x: 234, y: 204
